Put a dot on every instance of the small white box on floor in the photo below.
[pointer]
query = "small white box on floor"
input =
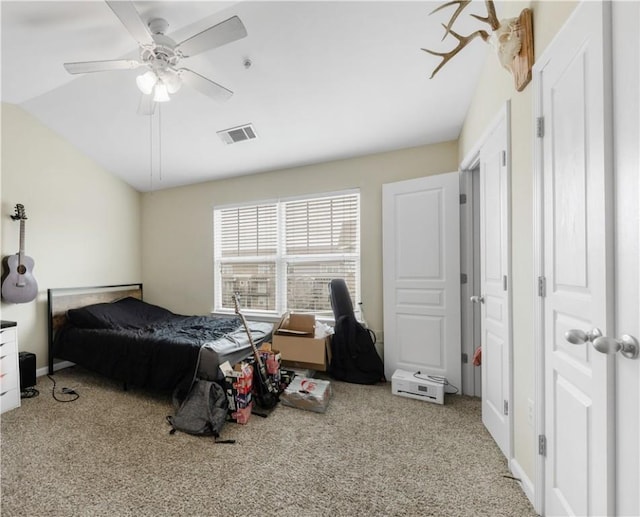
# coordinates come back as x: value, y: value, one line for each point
x: 407, y: 384
x: 307, y: 393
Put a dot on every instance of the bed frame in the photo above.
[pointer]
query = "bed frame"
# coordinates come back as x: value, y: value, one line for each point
x: 59, y: 301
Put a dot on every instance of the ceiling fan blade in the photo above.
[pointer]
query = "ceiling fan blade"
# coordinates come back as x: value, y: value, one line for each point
x: 84, y: 67
x: 146, y: 106
x: 127, y: 14
x: 213, y: 37
x: 204, y: 85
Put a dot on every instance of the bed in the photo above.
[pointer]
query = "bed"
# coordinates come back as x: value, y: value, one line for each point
x: 111, y: 330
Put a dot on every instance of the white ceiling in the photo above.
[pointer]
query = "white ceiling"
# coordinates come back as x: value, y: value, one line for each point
x: 329, y: 80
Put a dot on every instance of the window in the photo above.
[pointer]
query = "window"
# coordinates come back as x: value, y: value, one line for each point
x: 280, y: 256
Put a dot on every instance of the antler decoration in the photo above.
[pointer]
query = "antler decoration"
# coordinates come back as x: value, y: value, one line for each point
x: 512, y: 39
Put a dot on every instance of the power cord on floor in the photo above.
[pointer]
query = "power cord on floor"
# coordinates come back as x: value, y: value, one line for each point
x: 439, y: 380
x: 66, y: 391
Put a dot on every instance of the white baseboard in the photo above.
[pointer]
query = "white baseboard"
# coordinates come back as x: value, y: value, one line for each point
x: 525, y: 482
x: 40, y: 372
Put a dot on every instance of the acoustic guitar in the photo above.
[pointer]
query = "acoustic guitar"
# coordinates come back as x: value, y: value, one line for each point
x: 19, y: 285
x: 267, y: 394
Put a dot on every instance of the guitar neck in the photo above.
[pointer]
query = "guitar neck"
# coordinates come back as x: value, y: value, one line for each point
x: 21, y: 250
x: 256, y: 353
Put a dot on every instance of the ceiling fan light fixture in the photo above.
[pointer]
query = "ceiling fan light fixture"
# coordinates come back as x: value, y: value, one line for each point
x: 160, y: 93
x: 172, y: 81
x: 146, y: 82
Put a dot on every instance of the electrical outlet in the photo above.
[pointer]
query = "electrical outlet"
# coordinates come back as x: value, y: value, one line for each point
x: 530, y: 412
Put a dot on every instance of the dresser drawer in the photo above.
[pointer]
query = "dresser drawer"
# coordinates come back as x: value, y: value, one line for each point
x: 7, y: 336
x: 8, y: 354
x: 9, y: 399
x: 9, y: 370
x: 9, y: 380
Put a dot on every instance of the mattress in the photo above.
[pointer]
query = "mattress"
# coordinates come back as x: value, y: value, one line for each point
x: 233, y: 347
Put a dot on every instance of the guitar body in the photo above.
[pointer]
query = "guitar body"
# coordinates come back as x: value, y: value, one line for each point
x: 19, y: 285
x: 267, y: 395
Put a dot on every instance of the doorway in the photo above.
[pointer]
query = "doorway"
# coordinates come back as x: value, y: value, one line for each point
x: 470, y: 278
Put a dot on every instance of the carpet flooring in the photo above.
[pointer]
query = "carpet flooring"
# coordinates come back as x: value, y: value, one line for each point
x: 110, y: 453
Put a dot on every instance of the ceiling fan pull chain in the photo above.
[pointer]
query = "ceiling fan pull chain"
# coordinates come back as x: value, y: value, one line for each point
x: 160, y: 143
x: 150, y: 153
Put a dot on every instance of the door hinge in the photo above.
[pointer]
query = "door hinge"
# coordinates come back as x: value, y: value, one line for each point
x: 504, y: 158
x: 463, y: 278
x: 463, y: 199
x: 506, y: 408
x: 504, y: 282
x: 465, y: 358
x: 540, y: 127
x: 542, y: 445
x: 542, y: 286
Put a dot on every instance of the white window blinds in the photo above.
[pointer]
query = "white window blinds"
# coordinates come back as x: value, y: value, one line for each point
x: 281, y: 256
x: 248, y: 231
x: 322, y: 226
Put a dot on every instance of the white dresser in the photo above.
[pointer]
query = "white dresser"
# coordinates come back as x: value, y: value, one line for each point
x: 9, y: 367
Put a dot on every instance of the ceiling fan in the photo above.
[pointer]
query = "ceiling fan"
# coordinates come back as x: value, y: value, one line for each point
x: 161, y: 56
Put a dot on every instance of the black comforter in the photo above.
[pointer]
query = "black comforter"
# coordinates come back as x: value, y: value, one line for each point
x: 146, y: 348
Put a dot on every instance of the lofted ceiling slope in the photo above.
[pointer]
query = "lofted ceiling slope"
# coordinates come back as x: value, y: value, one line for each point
x: 328, y: 80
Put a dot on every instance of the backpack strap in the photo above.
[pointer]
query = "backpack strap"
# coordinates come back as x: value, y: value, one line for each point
x: 223, y: 441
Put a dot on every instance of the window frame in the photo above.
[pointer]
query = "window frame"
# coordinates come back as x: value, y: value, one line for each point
x: 281, y: 259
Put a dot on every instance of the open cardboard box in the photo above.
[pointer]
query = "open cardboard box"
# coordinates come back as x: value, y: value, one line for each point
x: 294, y: 338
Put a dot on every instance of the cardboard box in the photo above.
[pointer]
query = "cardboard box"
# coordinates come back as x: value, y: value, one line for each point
x: 294, y: 338
x: 306, y: 393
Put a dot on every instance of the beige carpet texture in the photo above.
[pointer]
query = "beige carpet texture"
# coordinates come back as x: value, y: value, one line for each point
x: 372, y: 453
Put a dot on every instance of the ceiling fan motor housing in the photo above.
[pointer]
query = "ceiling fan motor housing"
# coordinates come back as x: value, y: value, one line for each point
x: 162, y: 54
x: 161, y: 57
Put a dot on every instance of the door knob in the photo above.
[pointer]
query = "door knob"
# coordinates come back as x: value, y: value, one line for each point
x: 477, y: 299
x: 626, y: 345
x: 580, y: 337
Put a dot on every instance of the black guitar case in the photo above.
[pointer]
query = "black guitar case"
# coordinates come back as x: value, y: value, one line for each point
x: 353, y: 354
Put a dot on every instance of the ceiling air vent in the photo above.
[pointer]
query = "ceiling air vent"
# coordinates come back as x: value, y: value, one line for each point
x: 237, y: 134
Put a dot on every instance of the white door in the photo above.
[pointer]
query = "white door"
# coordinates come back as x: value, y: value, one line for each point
x: 421, y: 276
x: 577, y: 270
x: 494, y: 284
x: 626, y: 66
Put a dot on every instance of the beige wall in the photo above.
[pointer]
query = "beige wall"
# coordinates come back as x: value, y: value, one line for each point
x: 177, y: 250
x: 494, y: 89
x: 83, y: 225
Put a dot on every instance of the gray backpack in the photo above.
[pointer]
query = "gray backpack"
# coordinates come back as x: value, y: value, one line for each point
x: 202, y: 412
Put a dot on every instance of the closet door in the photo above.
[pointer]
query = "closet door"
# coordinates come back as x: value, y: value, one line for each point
x: 575, y: 169
x: 421, y: 276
